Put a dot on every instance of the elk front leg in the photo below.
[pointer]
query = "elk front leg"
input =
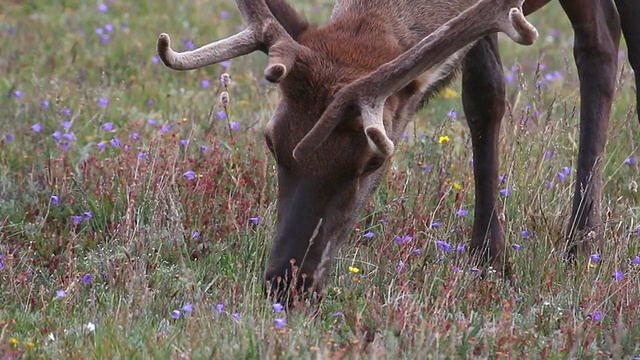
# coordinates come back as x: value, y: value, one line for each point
x: 483, y: 99
x: 596, y: 28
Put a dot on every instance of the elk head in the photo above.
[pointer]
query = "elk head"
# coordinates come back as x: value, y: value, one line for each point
x: 346, y: 97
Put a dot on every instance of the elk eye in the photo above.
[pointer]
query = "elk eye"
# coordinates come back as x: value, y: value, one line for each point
x: 374, y: 164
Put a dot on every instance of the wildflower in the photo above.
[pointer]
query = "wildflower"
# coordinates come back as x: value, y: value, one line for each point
x: 508, y: 77
x: 36, y: 127
x: 426, y: 168
x: 61, y: 294
x: 99, y: 30
x: 224, y: 14
x: 9, y: 138
x: 280, y: 323
x: 596, y: 315
x: 45, y: 104
x: 184, y: 142
x: 115, y: 142
x: 461, y: 212
x: 400, y: 266
x: 476, y: 271
x: 221, y: 115
x: 149, y: 102
x: 235, y: 126
x: 205, y: 84
x: 450, y: 94
x: 338, y: 314
x: 548, y: 155
x: 618, y: 275
x: 69, y: 136
x: 88, y: 215
x: 368, y: 235
x: 190, y: 175
x: 255, y: 220
x: 226, y: 64
x: 188, y: 308
x: 236, y: 317
x: 196, y: 234
x: 636, y: 260
x: 505, y: 192
x: 435, y: 224
x: 103, y: 102
x: 219, y: 307
x: 277, y: 307
x: 443, y: 245
x: 13, y: 341
x: 516, y: 247
x: 155, y: 60
x: 108, y: 27
x: 66, y: 111
x: 31, y: 344
x: 443, y: 139
x: 224, y: 98
x: 103, y: 8
x: 456, y: 269
x: 76, y: 220
x: 629, y: 161
x: 595, y: 257
x: 87, y: 279
x: 55, y: 200
x: 66, y: 125
x: 17, y: 94
x: 57, y: 135
x: 189, y: 45
x: 353, y: 270
x: 108, y: 126
x: 525, y: 233
x: 453, y: 114
x: 135, y: 136
x: 457, y: 186
x: 176, y: 314
x: 91, y: 327
x: 417, y: 251
x: 461, y: 248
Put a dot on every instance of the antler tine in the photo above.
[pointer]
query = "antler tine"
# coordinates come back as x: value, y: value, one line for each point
x: 485, y: 17
x: 264, y: 33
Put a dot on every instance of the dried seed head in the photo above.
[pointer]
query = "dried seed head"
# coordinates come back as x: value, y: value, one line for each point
x: 224, y: 98
x: 633, y: 186
x: 225, y: 80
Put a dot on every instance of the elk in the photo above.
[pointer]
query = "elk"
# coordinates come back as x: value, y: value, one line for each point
x: 350, y: 86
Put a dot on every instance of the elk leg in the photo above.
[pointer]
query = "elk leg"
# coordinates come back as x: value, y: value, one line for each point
x: 483, y: 99
x: 596, y: 28
x: 629, y: 11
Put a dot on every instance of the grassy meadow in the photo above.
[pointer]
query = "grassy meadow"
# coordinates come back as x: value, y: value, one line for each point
x: 136, y: 212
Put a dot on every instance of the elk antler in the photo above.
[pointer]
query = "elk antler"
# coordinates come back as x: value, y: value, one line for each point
x: 264, y: 33
x: 370, y: 92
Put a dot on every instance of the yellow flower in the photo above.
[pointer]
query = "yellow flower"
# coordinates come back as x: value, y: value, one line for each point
x: 457, y: 186
x: 443, y: 139
x: 31, y: 345
x: 13, y: 341
x: 592, y: 265
x: 450, y: 94
x: 353, y: 270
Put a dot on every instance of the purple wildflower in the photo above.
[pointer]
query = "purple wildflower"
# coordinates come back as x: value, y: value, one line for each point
x: 219, y: 307
x: 76, y: 220
x: 224, y: 14
x: 618, y: 275
x: 236, y: 317
x: 280, y: 323
x: 17, y: 94
x: 417, y: 251
x: 443, y: 245
x: 435, y: 224
x: 548, y: 154
x: 69, y: 137
x: 453, y: 114
x: 102, y: 145
x: 277, y: 307
x: 595, y: 257
x: 87, y: 279
x: 57, y: 135
x: 103, y: 8
x: 368, y: 234
x: 184, y: 142
x: 66, y: 111
x: 108, y: 27
x: 190, y: 175
x: 55, y: 200
x: 88, y: 215
x: 516, y: 247
x: 235, y: 126
x: 205, y: 84
x: 505, y: 192
x: 461, y: 212
x: 9, y: 138
x: 400, y: 266
x: 426, y: 168
x: 176, y: 314
x: 36, y: 127
x: 461, y: 248
x: 155, y: 60
x: 149, y: 102
x: 188, y: 308
x: 221, y: 115
x: 103, y: 102
x: 61, y: 294
x: 196, y: 234
x: 115, y: 142
x: 629, y: 161
x: 66, y: 125
x: 525, y: 233
x: 45, y: 104
x: 142, y: 156
x: 255, y: 220
x: 596, y: 315
x: 135, y: 136
x: 476, y: 271
x: 108, y: 126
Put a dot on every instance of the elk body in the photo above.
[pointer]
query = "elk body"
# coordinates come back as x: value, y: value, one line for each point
x: 350, y: 86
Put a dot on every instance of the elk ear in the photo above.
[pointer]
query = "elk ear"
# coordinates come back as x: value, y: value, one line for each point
x: 287, y: 16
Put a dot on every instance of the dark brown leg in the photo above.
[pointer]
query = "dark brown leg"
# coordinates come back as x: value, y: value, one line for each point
x: 483, y: 98
x: 629, y: 11
x: 597, y: 34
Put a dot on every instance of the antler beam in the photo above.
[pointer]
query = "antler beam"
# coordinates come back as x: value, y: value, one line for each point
x: 263, y: 33
x: 369, y: 93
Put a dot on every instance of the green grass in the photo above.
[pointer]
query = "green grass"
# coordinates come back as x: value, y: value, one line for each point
x: 144, y: 261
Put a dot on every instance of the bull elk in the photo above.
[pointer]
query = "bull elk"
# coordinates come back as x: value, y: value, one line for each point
x: 349, y: 88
